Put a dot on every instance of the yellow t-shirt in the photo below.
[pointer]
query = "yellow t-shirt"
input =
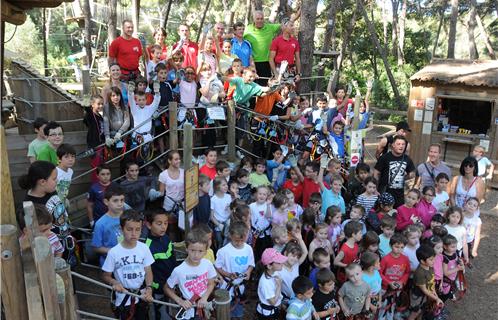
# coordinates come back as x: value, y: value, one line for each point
x: 209, y: 255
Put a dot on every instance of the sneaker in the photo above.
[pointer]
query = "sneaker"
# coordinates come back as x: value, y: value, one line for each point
x: 225, y: 150
x: 239, y: 154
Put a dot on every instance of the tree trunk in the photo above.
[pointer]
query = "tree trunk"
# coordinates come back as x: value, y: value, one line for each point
x: 306, y: 41
x: 247, y: 16
x: 87, y: 13
x: 112, y: 32
x: 452, y: 31
x: 166, y: 15
x: 471, y: 25
x: 135, y: 15
x: 206, y: 8
x: 382, y: 53
x: 344, y: 47
x: 256, y: 5
x: 401, y: 39
x: 484, y: 34
x: 441, y: 20
x: 384, y: 23
x: 45, y: 50
x: 395, y: 31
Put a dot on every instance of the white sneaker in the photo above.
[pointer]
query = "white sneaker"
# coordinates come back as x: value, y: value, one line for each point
x: 239, y: 154
x: 224, y: 151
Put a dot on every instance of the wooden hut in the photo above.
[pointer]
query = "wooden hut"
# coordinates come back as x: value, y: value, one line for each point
x: 453, y: 103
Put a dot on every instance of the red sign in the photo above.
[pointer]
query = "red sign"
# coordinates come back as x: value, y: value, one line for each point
x: 355, y: 159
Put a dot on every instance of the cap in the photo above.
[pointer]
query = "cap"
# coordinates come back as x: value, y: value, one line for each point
x: 271, y: 255
x: 386, y: 199
x: 403, y: 125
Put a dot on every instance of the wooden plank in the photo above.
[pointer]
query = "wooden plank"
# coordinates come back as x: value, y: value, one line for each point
x: 173, y: 126
x: 12, y: 14
x: 70, y: 302
x: 7, y: 199
x: 33, y: 294
x: 231, y: 140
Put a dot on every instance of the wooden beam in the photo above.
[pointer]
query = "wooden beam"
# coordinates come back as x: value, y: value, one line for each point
x: 12, y: 14
x: 30, y: 4
x: 8, y: 215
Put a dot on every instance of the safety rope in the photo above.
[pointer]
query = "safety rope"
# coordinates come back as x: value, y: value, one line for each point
x: 93, y: 315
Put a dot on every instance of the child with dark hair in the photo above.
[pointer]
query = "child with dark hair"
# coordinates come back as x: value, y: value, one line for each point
x: 369, y: 243
x: 95, y: 199
x: 55, y: 136
x: 368, y: 198
x: 296, y: 254
x: 320, y: 259
x: 202, y: 212
x: 383, y: 208
x: 40, y: 141
x: 138, y: 189
x: 270, y: 285
x: 295, y: 185
x: 324, y: 298
x: 333, y: 219
x: 387, y: 225
x: 333, y: 195
x: 436, y: 221
x: 242, y: 177
x: 300, y: 307
x: 441, y: 200
x: 94, y: 120
x: 349, y: 250
x: 425, y: 207
x: 209, y: 168
x: 356, y: 182
x: 370, y: 264
x: 66, y: 155
x: 258, y: 177
x: 220, y: 208
x: 452, y: 265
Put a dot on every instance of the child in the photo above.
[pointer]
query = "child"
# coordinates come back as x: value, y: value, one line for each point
x: 408, y: 214
x: 225, y: 57
x: 164, y: 256
x: 296, y: 253
x: 333, y: 219
x: 324, y: 298
x: 454, y: 225
x: 308, y: 225
x: 205, y: 231
x: 423, y: 292
x: 270, y: 285
x: 260, y: 221
x: 337, y: 134
x: 222, y: 170
x: 387, y: 225
x: 369, y: 243
x: 94, y: 120
x: 354, y: 295
x: 39, y: 142
x: 356, y: 184
x: 383, y: 207
x: 277, y: 168
x: 138, y: 189
x: 321, y: 259
x: 442, y: 199
x: 333, y: 168
x: 107, y: 231
x: 55, y: 137
x: 209, y: 168
x: 156, y: 52
x: 233, y: 190
x: 300, y: 307
x: 242, y: 177
x: 425, y: 207
x: 368, y: 198
x: 437, y: 244
x: 95, y: 200
x: 483, y: 163
x: 220, y: 208
x: 330, y: 196
x: 294, y: 185
x: 195, y: 277
x: 279, y: 214
x: 172, y: 186
x: 315, y: 205
x: 452, y: 264
x: 235, y: 262
x: 370, y: 264
x: 127, y: 267
x: 66, y: 155
x: 310, y: 181
x: 412, y: 234
x: 348, y: 253
x: 357, y: 213
x: 436, y: 221
x: 279, y: 237
x: 294, y: 210
x: 321, y: 240
x: 258, y: 177
x: 472, y: 224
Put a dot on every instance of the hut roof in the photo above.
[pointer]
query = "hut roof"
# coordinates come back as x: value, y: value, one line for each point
x: 467, y: 72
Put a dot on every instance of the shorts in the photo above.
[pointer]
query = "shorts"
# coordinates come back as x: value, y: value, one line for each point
x: 417, y: 302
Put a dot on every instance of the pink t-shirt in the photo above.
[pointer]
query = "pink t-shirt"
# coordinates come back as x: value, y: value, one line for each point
x: 403, y: 217
x: 426, y: 211
x: 279, y: 218
x: 438, y: 267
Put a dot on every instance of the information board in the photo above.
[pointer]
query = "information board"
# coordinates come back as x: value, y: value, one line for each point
x: 191, y: 188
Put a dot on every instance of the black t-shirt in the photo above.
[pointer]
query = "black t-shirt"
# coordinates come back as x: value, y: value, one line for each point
x: 322, y: 302
x: 166, y: 91
x: 393, y: 170
x: 136, y: 192
x: 202, y: 212
x: 57, y: 209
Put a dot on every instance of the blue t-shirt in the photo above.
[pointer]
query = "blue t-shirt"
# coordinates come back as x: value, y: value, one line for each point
x: 339, y: 139
x: 313, y: 273
x: 96, y: 195
x: 243, y: 50
x: 106, y: 233
x: 331, y: 199
x: 374, y: 281
x: 384, y: 247
x: 282, y: 174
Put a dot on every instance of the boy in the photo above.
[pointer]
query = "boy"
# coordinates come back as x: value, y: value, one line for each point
x: 235, y: 262
x: 137, y: 188
x: 387, y: 225
x: 300, y: 307
x: 55, y: 137
x: 222, y: 170
x: 66, y: 155
x: 39, y: 142
x: 309, y: 180
x: 424, y: 288
x: 330, y: 197
x: 127, y: 267
x: 354, y: 295
x: 209, y: 168
x: 357, y: 213
x: 164, y: 256
x: 258, y: 177
x: 107, y: 231
x: 277, y: 168
x: 333, y: 167
x: 280, y: 237
x: 195, y: 276
x: 242, y: 177
x: 338, y: 139
x: 156, y: 52
x: 483, y: 164
x: 204, y: 230
x: 202, y: 212
x: 324, y: 298
x: 315, y: 204
x: 356, y: 183
x: 321, y: 259
x: 95, y: 201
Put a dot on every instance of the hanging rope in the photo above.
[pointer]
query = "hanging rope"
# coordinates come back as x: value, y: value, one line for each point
x: 45, y: 102
x: 93, y: 315
x: 58, y: 121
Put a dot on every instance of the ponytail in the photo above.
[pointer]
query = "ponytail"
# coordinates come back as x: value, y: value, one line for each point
x: 38, y: 170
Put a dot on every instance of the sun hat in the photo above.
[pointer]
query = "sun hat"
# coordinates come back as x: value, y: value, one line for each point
x: 271, y: 255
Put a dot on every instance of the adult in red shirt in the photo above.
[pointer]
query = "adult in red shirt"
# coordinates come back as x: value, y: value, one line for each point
x: 189, y: 49
x: 159, y: 37
x: 286, y: 47
x: 126, y: 52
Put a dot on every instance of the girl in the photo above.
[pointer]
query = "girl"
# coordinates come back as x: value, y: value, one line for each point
x: 436, y: 221
x: 242, y: 177
x: 368, y: 198
x: 260, y: 221
x: 442, y: 199
x: 115, y: 81
x: 296, y: 253
x: 452, y: 265
x: 220, y: 208
x: 233, y: 189
x: 437, y: 243
x: 225, y: 56
x: 472, y: 224
x: 270, y: 285
x: 321, y: 240
x: 425, y: 207
x: 408, y: 214
x: 454, y: 225
x: 333, y: 219
x: 116, y: 117
x: 307, y: 233
x: 412, y: 234
x: 383, y: 207
x: 239, y: 211
x: 370, y: 263
x: 293, y: 209
x: 295, y: 185
x: 279, y: 214
x: 95, y: 136
x: 207, y: 56
x: 370, y: 243
x: 247, y: 163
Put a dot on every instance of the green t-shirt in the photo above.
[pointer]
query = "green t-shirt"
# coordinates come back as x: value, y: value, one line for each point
x: 256, y: 180
x: 261, y: 39
x: 47, y: 153
x: 244, y: 91
x: 35, y: 146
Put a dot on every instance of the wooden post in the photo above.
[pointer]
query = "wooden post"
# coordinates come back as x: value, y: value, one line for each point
x: 44, y: 261
x: 33, y: 293
x: 222, y: 304
x: 187, y: 162
x: 6, y: 197
x: 70, y: 305
x: 173, y: 126
x: 356, y: 110
x: 231, y: 130
x: 13, y: 290
x: 85, y: 77
x: 135, y: 12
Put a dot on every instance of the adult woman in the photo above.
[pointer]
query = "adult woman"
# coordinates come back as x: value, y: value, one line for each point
x: 468, y: 184
x: 115, y: 81
x: 159, y: 37
x: 116, y: 117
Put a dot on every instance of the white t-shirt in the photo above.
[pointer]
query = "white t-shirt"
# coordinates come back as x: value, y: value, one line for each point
x: 258, y: 219
x: 267, y: 288
x: 233, y: 260
x: 221, y: 207
x: 140, y: 116
x: 192, y: 280
x: 63, y: 182
x: 175, y: 188
x: 471, y: 225
x: 411, y: 253
x: 128, y: 267
x: 151, y: 70
x: 440, y: 200
x: 287, y: 277
x: 458, y: 232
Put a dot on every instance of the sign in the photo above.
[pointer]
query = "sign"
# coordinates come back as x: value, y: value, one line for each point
x: 355, y: 147
x: 430, y: 103
x: 418, y: 115
x: 355, y: 159
x: 191, y: 188
x: 427, y: 128
x: 216, y: 113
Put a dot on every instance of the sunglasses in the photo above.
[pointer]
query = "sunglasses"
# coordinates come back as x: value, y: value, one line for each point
x: 469, y: 165
x: 429, y: 194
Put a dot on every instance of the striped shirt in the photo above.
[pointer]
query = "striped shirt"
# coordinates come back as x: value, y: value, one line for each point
x: 366, y: 201
x: 55, y: 243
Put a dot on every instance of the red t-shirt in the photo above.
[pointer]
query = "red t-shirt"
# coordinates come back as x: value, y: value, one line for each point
x: 210, y: 172
x: 126, y: 52
x: 403, y: 217
x: 394, y: 269
x: 189, y: 51
x: 345, y: 108
x: 296, y: 190
x: 285, y: 49
x: 350, y: 256
x: 309, y: 187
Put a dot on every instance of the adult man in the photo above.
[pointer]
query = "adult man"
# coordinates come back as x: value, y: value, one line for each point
x: 286, y: 48
x: 219, y: 27
x: 126, y: 52
x: 428, y: 171
x: 189, y: 49
x: 392, y: 168
x: 260, y: 35
x: 402, y: 129
x: 240, y: 47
